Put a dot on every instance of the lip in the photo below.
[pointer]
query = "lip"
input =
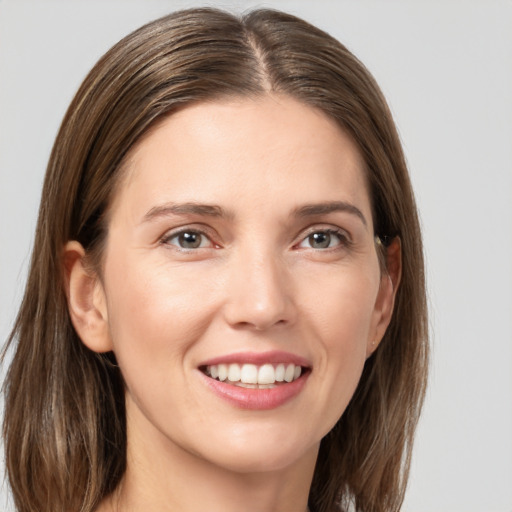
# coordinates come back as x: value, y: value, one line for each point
x: 257, y: 399
x: 258, y: 358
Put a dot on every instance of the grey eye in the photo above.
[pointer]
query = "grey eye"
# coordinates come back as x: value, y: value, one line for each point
x: 324, y: 239
x: 189, y: 240
x: 320, y: 240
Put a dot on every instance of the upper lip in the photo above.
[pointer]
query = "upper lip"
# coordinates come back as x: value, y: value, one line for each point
x: 258, y: 359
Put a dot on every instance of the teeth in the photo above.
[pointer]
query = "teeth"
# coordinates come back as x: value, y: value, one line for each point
x: 250, y: 374
x: 234, y: 372
x: 288, y: 374
x: 222, y: 371
x: 253, y: 386
x: 266, y: 374
x: 280, y: 372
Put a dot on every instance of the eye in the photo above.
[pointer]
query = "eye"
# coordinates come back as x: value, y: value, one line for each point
x: 324, y: 239
x: 188, y: 239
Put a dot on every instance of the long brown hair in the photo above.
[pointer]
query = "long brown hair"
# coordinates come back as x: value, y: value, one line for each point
x: 64, y: 426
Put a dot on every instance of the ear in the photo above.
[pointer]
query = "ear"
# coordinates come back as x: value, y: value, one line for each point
x: 389, y: 282
x: 86, y: 300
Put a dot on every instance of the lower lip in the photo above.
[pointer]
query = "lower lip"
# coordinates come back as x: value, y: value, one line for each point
x: 256, y: 399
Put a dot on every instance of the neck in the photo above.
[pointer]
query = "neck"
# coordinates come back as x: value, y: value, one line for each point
x: 163, y: 476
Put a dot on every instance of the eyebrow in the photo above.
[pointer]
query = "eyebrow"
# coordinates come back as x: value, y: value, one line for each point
x: 212, y: 210
x: 309, y: 210
x: 167, y: 209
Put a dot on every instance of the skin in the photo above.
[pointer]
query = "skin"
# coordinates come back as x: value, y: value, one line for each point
x: 256, y: 283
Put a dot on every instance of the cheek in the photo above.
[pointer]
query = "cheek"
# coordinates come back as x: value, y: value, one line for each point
x: 342, y: 317
x: 342, y: 308
x: 154, y: 316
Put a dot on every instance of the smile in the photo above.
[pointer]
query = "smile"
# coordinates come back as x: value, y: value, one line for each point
x: 257, y: 381
x: 254, y: 376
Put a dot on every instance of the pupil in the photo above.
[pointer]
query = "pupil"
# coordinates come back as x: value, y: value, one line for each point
x: 320, y: 240
x: 190, y: 240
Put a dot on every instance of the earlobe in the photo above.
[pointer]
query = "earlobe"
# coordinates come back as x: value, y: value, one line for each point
x: 384, y: 305
x: 86, y: 300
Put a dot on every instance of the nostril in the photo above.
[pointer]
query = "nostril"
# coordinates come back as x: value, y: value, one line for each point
x: 258, y: 295
x: 258, y: 323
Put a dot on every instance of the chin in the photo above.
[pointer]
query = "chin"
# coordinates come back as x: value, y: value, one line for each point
x: 261, y: 452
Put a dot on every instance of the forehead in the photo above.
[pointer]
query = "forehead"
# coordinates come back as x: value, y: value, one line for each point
x: 273, y: 148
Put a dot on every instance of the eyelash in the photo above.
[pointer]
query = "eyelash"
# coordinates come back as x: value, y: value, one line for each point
x: 166, y: 240
x: 343, y: 239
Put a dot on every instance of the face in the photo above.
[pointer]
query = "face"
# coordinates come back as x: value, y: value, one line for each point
x: 241, y: 284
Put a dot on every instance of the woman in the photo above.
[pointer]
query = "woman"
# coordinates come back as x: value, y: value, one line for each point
x: 226, y: 306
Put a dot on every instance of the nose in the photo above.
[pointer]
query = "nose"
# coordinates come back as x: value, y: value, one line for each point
x: 260, y: 293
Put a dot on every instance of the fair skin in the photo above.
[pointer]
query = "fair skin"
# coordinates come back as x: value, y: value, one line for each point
x: 241, y: 234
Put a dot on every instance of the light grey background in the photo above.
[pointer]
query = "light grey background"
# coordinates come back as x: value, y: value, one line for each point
x: 446, y: 69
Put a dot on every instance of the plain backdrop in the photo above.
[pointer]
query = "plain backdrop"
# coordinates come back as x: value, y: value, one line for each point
x: 446, y: 69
